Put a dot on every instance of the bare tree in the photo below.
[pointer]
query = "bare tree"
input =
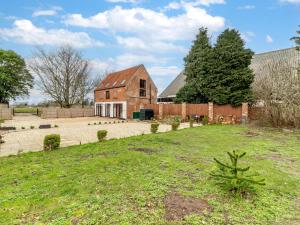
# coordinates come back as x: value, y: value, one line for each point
x: 277, y: 86
x: 64, y: 75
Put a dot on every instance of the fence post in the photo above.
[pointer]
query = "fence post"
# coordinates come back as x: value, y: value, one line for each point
x: 160, y: 111
x: 245, y: 112
x: 183, y: 111
x: 210, y: 112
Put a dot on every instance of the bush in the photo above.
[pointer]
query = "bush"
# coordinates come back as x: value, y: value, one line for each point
x: 154, y: 127
x: 56, y: 126
x: 205, y: 120
x: 192, y: 122
x: 51, y: 142
x: 31, y: 127
x: 175, y: 123
x: 234, y: 178
x: 101, y: 134
x: 99, y: 123
x: 23, y: 128
x: 1, y: 139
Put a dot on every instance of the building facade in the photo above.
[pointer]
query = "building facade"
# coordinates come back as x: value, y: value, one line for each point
x: 124, y: 92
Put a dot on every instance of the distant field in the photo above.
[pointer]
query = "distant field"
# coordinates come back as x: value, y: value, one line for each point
x: 25, y: 110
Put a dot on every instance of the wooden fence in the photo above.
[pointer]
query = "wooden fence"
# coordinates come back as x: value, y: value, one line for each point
x: 213, y: 111
x: 6, y: 113
x: 67, y: 113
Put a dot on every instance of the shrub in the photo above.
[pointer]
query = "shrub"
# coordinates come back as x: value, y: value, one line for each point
x: 95, y: 123
x: 89, y: 124
x: 1, y: 139
x: 51, y: 142
x: 175, y: 123
x: 31, y: 127
x: 192, y: 122
x: 154, y: 127
x: 234, y: 178
x: 101, y: 134
x: 55, y: 126
x: 23, y: 128
x: 99, y: 123
x: 205, y: 120
x: 1, y: 121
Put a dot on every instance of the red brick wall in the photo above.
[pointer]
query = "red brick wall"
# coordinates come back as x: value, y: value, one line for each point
x: 131, y: 93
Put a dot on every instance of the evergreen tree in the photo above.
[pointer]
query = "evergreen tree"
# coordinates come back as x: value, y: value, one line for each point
x: 230, y: 81
x: 296, y: 39
x: 197, y: 66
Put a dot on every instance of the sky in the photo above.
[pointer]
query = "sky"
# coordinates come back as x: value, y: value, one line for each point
x: 117, y: 34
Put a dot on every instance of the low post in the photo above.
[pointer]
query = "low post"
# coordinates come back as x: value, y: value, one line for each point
x: 245, y: 112
x: 183, y: 111
x: 160, y: 111
x: 210, y: 112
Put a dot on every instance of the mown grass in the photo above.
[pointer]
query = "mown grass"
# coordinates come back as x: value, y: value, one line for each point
x: 110, y: 183
x: 25, y: 110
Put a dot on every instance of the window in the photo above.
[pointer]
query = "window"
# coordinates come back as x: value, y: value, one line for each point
x: 142, y: 88
x: 142, y: 93
x: 107, y: 95
x: 143, y: 84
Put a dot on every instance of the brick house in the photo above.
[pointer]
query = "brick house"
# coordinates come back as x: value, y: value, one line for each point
x: 124, y: 92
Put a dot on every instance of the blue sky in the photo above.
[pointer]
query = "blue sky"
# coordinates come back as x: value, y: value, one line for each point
x: 115, y: 34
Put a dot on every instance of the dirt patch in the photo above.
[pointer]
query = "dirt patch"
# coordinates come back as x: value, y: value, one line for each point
x: 250, y: 133
x: 145, y: 150
x: 178, y: 206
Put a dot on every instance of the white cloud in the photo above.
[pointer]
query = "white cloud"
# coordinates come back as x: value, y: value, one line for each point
x: 184, y: 3
x: 247, y: 36
x: 47, y: 12
x: 164, y: 71
x: 152, y: 46
x: 291, y: 1
x: 25, y: 32
x: 148, y: 24
x: 246, y: 7
x: 125, y: 60
x: 269, y: 39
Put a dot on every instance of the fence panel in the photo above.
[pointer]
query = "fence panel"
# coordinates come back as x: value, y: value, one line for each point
x: 154, y: 107
x: 197, y: 109
x: 227, y: 111
x: 172, y: 109
x: 6, y: 113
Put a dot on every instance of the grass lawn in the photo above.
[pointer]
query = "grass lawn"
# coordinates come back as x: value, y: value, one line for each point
x: 25, y: 110
x: 126, y: 181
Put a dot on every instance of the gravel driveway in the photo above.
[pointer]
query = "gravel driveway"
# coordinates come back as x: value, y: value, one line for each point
x: 73, y: 132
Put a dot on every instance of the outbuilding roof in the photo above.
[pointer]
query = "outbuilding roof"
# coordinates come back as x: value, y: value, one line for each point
x: 118, y: 79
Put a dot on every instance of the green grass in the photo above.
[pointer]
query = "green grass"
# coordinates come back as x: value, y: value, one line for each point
x: 25, y: 110
x: 106, y: 183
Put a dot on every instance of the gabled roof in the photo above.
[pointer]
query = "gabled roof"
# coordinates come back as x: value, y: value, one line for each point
x: 259, y: 65
x: 118, y: 79
x: 174, y: 87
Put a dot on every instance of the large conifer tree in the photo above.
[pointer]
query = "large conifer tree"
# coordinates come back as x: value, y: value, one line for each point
x: 231, y: 78
x: 197, y: 66
x: 219, y: 74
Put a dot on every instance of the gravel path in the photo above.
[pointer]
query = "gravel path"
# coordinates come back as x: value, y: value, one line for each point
x: 73, y: 132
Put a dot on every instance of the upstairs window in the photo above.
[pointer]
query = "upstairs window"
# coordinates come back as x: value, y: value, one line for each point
x: 143, y: 84
x: 107, y: 95
x: 142, y: 88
